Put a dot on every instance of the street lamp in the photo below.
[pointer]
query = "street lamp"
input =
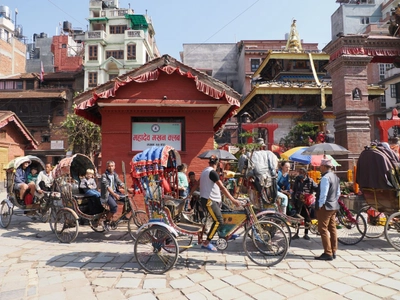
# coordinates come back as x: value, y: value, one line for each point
x: 244, y: 118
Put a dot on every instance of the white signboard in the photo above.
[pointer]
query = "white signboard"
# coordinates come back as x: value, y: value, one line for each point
x: 57, y: 145
x: 148, y: 134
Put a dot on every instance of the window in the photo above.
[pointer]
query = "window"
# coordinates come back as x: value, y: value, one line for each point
x: 364, y: 20
x: 117, y: 54
x: 131, y: 52
x: 92, y: 79
x: 93, y: 52
x: 397, y: 92
x: 2, y: 85
x: 382, y: 70
x: 11, y: 85
x: 383, y: 101
x: 30, y: 84
x: 118, y: 29
x: 393, y: 90
x: 255, y: 63
x: 46, y: 138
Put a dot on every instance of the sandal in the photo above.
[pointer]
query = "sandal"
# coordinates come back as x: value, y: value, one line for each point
x: 209, y: 247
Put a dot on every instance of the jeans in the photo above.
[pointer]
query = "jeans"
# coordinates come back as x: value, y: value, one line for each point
x: 284, y: 201
x: 92, y: 193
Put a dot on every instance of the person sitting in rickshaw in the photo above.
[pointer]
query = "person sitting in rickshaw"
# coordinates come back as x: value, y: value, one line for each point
x: 283, y: 185
x: 110, y: 194
x: 303, y: 189
x: 22, y: 184
x: 45, y: 180
x: 88, y: 185
x: 33, y: 175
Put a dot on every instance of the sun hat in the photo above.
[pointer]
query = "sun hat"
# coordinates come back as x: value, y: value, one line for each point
x: 327, y: 163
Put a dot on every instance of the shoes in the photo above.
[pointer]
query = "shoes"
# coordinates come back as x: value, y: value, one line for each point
x: 209, y: 247
x: 324, y: 256
x: 295, y: 237
x: 234, y: 237
x: 306, y: 237
x: 106, y: 225
x: 334, y: 255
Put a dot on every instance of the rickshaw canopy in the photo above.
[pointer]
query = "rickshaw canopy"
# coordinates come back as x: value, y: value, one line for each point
x: 74, y: 166
x: 16, y: 162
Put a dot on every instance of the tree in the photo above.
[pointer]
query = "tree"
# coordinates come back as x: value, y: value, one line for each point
x: 300, y: 135
x: 83, y: 136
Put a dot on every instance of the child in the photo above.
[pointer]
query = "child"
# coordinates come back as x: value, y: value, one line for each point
x: 88, y: 185
x: 33, y: 175
x: 182, y: 181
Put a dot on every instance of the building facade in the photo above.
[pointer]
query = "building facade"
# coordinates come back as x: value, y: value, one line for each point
x: 12, y: 50
x: 117, y: 41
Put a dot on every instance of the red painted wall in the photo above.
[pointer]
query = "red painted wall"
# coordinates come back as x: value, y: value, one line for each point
x: 63, y: 62
x: 198, y: 114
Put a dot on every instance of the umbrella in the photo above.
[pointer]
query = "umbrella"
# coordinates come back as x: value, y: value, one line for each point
x: 288, y: 153
x: 314, y: 160
x: 221, y: 154
x: 326, y: 148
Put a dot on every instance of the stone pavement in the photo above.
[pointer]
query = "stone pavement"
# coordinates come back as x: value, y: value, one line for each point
x: 34, y: 265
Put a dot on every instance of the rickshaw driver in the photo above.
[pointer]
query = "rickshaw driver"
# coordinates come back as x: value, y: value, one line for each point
x: 210, y: 196
x: 21, y: 180
x: 110, y: 183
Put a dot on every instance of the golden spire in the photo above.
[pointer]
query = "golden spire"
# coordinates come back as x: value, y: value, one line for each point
x: 293, y: 43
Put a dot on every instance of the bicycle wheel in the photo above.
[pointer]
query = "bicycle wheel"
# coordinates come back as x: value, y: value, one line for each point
x: 150, y: 250
x: 44, y: 215
x: 265, y: 243
x: 375, y: 224
x: 52, y: 219
x: 280, y: 221
x: 66, y: 226
x: 350, y: 228
x: 5, y: 214
x: 137, y: 219
x: 96, y: 225
x: 392, y: 230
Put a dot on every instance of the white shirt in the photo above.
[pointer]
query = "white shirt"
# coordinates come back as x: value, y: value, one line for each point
x: 47, y: 178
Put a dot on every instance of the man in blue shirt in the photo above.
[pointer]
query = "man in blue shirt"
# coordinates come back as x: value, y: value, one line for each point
x: 327, y: 206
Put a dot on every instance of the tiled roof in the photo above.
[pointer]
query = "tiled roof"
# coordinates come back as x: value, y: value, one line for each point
x: 32, y: 94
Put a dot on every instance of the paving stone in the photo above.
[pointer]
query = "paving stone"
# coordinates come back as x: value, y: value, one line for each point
x: 181, y: 283
x: 111, y: 294
x: 128, y: 283
x: 389, y: 282
x: 356, y: 295
x: 304, y: 284
x: 235, y: 280
x: 318, y: 294
x: 219, y: 273
x: 154, y: 283
x: 338, y: 287
x: 176, y: 295
x: 253, y: 274
x: 268, y: 295
x: 353, y: 281
x: 288, y: 290
x: 379, y: 291
x: 201, y: 295
x: 251, y: 287
x: 214, y: 284
x: 317, y: 279
x: 198, y: 277
x: 368, y: 276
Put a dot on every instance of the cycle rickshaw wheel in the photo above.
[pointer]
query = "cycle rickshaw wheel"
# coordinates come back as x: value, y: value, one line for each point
x: 392, y: 230
x: 137, y: 219
x: 280, y: 222
x: 66, y: 226
x: 350, y: 231
x: 44, y: 215
x: 5, y: 214
x: 96, y: 225
x: 150, y: 250
x: 375, y: 227
x: 265, y: 243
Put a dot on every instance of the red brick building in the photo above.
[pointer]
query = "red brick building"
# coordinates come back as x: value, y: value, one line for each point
x: 15, y: 139
x: 163, y: 94
x: 66, y: 57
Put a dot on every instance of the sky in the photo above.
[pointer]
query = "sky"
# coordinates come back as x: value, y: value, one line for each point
x: 178, y: 22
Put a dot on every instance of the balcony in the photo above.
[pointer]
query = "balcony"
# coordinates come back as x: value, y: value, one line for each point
x: 115, y: 13
x: 131, y: 34
x: 97, y: 35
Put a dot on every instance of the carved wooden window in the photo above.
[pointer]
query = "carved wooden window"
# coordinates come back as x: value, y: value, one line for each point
x: 117, y: 54
x: 92, y: 79
x: 118, y: 29
x: 93, y: 52
x: 131, y: 52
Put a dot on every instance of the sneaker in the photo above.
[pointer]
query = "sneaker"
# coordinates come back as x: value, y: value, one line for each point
x: 106, y: 225
x: 234, y: 237
x: 306, y: 237
x: 324, y: 256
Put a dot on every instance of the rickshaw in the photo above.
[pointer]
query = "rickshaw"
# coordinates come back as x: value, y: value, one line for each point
x: 166, y: 234
x: 261, y: 183
x: 41, y: 207
x: 378, y: 176
x: 79, y: 209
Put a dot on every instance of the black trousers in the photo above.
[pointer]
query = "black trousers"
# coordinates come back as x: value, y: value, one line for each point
x: 215, y: 212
